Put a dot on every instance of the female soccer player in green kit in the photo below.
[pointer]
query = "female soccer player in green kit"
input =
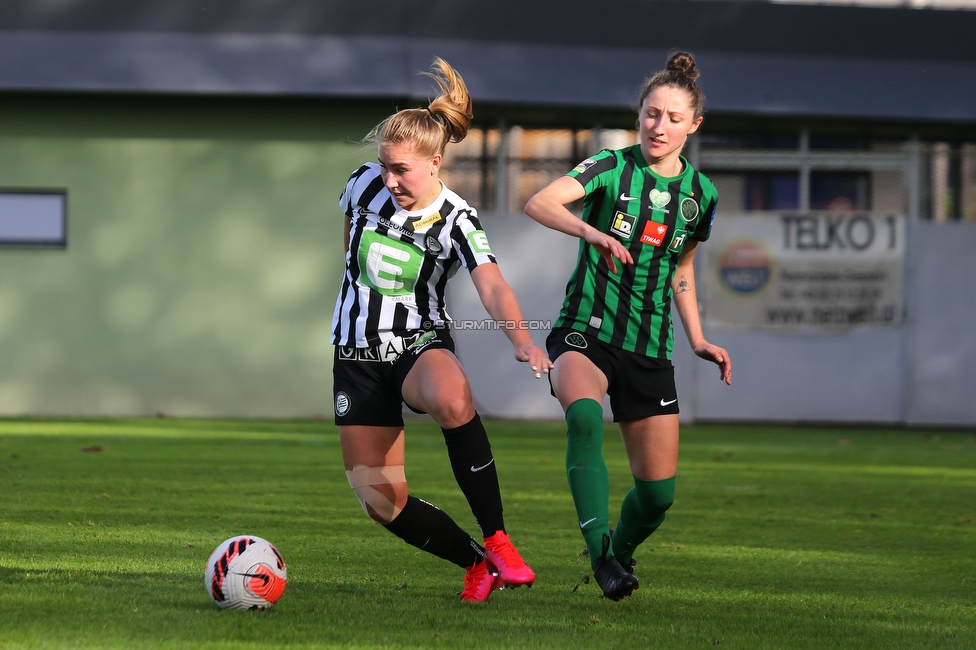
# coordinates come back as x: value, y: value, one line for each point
x: 645, y: 210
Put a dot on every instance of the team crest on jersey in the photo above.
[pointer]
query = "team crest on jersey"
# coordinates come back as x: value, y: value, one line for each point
x: 433, y: 245
x: 576, y: 339
x: 689, y: 209
x: 654, y: 233
x: 623, y: 224
x: 583, y: 166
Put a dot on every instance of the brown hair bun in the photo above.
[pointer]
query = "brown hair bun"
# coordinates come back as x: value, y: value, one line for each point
x: 681, y: 72
x: 683, y: 63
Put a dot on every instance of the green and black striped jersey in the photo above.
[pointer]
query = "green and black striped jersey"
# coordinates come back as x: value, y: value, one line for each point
x: 653, y: 217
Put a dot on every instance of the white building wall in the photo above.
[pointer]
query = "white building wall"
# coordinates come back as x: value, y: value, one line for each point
x: 920, y: 373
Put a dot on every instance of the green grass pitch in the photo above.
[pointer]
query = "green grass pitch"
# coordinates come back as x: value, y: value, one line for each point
x: 779, y: 538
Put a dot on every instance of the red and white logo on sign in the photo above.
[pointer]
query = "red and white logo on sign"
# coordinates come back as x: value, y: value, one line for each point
x: 654, y: 233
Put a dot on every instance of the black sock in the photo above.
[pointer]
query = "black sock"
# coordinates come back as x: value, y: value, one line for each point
x: 474, y: 470
x: 430, y: 529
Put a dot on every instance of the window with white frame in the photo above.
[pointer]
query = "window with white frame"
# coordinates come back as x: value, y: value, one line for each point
x: 33, y: 218
x: 498, y: 169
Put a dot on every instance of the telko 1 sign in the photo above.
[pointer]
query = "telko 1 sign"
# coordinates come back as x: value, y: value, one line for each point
x: 804, y: 270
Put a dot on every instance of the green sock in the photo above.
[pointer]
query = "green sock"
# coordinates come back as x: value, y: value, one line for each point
x: 640, y: 515
x: 589, y: 481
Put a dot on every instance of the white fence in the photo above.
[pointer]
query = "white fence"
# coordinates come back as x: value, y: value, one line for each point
x: 920, y: 372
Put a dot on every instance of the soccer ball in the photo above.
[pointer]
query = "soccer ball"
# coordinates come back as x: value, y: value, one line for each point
x: 245, y: 572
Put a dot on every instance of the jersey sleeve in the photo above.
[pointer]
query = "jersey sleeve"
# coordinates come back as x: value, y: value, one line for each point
x: 347, y: 198
x: 596, y: 171
x: 709, y: 202
x: 470, y: 241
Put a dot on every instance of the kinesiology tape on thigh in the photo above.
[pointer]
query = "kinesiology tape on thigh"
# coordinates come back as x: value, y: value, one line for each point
x: 363, y: 481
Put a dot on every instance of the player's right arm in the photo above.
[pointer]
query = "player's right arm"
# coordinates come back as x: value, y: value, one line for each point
x: 548, y: 207
x: 347, y: 201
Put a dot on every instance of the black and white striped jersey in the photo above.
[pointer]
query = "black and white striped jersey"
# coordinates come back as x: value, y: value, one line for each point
x: 399, y: 262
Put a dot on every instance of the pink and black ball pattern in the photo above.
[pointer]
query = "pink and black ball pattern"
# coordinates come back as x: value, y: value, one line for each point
x: 246, y: 572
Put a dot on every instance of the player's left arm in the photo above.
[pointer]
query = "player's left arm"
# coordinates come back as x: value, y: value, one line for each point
x: 686, y: 300
x: 500, y: 302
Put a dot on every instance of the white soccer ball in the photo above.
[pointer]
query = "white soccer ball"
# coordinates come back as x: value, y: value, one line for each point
x: 245, y: 572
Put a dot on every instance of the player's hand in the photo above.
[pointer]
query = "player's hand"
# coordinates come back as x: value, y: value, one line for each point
x: 537, y: 359
x: 718, y: 356
x: 608, y: 247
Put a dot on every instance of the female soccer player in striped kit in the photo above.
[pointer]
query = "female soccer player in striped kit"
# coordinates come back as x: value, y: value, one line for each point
x: 406, y: 234
x: 645, y: 210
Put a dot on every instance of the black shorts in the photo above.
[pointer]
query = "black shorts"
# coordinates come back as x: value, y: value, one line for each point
x: 366, y: 389
x: 638, y: 386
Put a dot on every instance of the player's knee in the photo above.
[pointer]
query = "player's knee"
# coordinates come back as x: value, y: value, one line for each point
x: 655, y: 496
x: 659, y: 503
x: 373, y: 487
x: 453, y: 410
x: 584, y: 419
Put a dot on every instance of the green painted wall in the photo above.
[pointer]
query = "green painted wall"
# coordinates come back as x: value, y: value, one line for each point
x: 203, y: 256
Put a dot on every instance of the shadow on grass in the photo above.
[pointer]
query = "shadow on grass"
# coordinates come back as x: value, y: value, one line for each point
x: 362, y: 599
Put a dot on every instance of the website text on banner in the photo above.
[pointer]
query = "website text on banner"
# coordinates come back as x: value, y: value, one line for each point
x: 803, y: 271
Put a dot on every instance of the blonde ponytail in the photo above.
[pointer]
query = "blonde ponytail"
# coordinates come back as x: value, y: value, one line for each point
x: 446, y: 119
